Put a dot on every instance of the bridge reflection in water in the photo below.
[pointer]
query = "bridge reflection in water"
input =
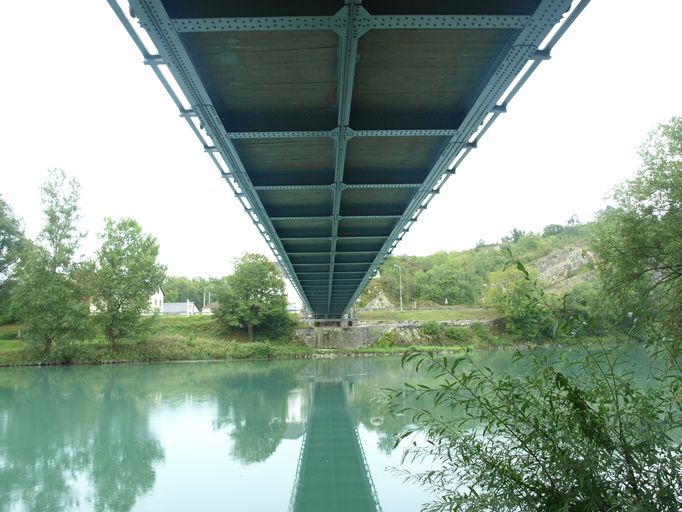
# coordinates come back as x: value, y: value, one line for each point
x: 332, y: 473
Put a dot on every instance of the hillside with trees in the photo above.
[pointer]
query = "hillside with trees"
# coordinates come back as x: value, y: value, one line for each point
x: 559, y: 255
x: 616, y: 274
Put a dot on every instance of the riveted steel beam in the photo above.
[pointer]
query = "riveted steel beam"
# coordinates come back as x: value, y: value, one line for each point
x: 446, y: 22
x: 336, y: 23
x: 292, y: 187
x: 258, y: 24
x: 355, y: 15
x: 317, y: 253
x: 340, y: 265
x: 325, y: 238
x: 334, y: 186
x: 359, y: 186
x: 323, y: 289
x: 283, y: 135
x: 327, y: 273
x: 340, y: 217
x: 350, y: 133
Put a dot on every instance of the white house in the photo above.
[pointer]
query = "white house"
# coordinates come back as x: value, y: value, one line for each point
x: 156, y: 302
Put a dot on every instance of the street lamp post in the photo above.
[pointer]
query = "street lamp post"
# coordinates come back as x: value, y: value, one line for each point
x: 400, y: 277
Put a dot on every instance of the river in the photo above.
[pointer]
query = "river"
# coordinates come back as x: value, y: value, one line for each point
x: 250, y: 436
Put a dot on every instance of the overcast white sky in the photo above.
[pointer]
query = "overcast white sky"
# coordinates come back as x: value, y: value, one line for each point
x: 76, y: 95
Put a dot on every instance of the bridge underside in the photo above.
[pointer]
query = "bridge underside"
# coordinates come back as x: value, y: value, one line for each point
x: 336, y: 123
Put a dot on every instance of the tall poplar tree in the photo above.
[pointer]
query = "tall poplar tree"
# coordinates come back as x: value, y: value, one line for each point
x: 49, y: 300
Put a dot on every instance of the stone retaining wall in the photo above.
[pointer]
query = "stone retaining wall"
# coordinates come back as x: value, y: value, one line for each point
x: 364, y: 335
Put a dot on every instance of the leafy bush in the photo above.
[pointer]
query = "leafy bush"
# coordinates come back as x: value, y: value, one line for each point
x: 386, y: 340
x: 431, y: 328
x: 567, y: 435
x: 516, y: 292
x: 456, y: 333
x: 278, y: 325
x: 482, y: 332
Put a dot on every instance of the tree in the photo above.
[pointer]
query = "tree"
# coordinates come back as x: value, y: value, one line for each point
x: 181, y: 289
x: 254, y: 296
x: 552, y: 229
x: 127, y: 275
x: 11, y: 242
x: 11, y: 239
x: 514, y: 236
x: 639, y: 243
x: 48, y: 299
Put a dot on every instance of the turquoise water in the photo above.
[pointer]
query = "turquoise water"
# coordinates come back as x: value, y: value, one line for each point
x: 271, y: 436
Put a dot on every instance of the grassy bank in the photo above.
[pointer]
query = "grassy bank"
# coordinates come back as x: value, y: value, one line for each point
x: 429, y: 315
x: 198, y: 338
x: 165, y: 339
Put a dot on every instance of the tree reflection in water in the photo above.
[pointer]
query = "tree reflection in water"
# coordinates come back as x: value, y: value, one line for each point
x: 252, y: 407
x: 68, y: 427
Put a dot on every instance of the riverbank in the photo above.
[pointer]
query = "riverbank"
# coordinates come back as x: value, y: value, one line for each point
x: 170, y: 339
x: 94, y: 353
x: 174, y: 339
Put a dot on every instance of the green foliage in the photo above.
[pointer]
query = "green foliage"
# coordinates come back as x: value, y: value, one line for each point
x: 11, y: 243
x: 463, y: 277
x: 552, y: 229
x: 591, y: 304
x: 386, y: 340
x: 515, y: 291
x: 482, y: 332
x: 254, y: 297
x: 456, y: 333
x: 425, y: 315
x: 277, y: 325
x: 11, y: 239
x: 49, y: 296
x: 180, y: 289
x: 127, y: 275
x: 639, y: 242
x: 514, y: 236
x: 431, y: 328
x: 567, y: 435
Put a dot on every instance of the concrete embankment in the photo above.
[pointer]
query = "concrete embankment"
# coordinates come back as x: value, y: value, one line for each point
x: 364, y: 335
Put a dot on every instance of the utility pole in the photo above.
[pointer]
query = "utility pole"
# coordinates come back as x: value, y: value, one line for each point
x: 400, y: 277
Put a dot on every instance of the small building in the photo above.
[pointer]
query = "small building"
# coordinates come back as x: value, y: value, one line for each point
x: 179, y: 308
x: 210, y: 308
x: 156, y: 302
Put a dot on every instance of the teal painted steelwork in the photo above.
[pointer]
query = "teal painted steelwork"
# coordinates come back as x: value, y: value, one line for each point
x: 330, y: 203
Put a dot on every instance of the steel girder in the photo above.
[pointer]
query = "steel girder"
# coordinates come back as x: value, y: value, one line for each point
x: 313, y: 184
